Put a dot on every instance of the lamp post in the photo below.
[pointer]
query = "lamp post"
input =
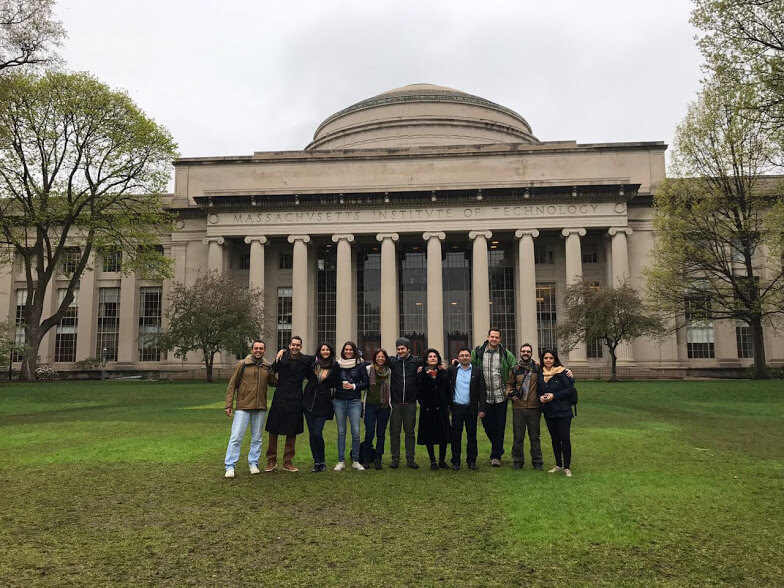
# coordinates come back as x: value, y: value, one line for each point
x: 104, y: 353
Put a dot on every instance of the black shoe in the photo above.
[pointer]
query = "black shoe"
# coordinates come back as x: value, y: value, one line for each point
x: 472, y: 466
x: 323, y: 467
x: 517, y: 465
x: 455, y: 467
x: 539, y: 467
x: 316, y: 468
x: 434, y: 466
x: 366, y: 465
x: 412, y: 464
x: 377, y: 464
x: 442, y: 465
x: 394, y: 464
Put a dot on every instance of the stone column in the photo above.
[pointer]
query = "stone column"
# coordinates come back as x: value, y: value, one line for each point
x: 86, y: 312
x: 435, y: 292
x: 620, y: 272
x: 574, y: 273
x: 127, y: 340
x: 177, y: 252
x: 256, y: 274
x: 526, y: 289
x: 390, y: 313
x: 300, y: 288
x: 344, y: 292
x: 480, y: 286
x: 214, y: 253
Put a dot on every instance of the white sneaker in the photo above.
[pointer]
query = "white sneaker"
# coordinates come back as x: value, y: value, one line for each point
x: 340, y: 466
x: 555, y: 469
x: 254, y: 469
x: 358, y: 466
x: 568, y: 472
x: 229, y: 473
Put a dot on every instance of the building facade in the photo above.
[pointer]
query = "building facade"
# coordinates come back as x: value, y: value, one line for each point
x: 425, y: 212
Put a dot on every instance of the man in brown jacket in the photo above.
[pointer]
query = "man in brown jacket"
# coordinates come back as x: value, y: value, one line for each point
x: 248, y: 383
x: 526, y: 409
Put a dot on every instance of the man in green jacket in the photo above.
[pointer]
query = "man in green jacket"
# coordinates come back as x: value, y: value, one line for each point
x: 496, y: 363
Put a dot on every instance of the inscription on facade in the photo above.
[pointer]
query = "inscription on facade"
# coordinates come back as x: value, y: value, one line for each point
x: 418, y: 214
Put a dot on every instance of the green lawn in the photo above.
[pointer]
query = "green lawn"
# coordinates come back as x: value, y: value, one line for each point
x: 675, y: 483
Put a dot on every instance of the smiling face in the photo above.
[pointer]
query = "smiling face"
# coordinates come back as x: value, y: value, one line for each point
x: 325, y: 352
x: 402, y: 351
x: 525, y: 352
x: 295, y: 346
x: 379, y: 359
x: 464, y: 357
x: 494, y: 339
x: 348, y: 351
x: 548, y: 360
x: 258, y: 350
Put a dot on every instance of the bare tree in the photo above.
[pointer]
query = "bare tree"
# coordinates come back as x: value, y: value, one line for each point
x: 28, y: 33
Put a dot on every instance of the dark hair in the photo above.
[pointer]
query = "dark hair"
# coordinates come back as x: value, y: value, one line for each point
x: 297, y: 337
x: 258, y: 341
x: 554, y: 353
x: 382, y: 351
x: 497, y: 330
x: 353, y: 346
x: 432, y: 350
x: 459, y: 351
x: 527, y: 345
x: 331, y: 350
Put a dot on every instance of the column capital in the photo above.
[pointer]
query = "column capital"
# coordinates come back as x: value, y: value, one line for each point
x: 429, y: 235
x: 218, y: 240
x: 612, y: 231
x: 304, y: 238
x: 381, y: 236
x: 573, y: 231
x: 474, y: 234
x: 527, y: 232
x: 253, y: 238
x: 347, y: 236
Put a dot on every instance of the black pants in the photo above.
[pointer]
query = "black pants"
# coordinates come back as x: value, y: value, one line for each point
x: 562, y: 445
x: 431, y: 452
x: 463, y: 416
x: 495, y: 425
x: 403, y: 417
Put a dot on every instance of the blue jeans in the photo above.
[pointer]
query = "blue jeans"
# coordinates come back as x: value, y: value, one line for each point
x: 238, y: 426
x: 376, y: 419
x: 316, y: 432
x: 352, y: 409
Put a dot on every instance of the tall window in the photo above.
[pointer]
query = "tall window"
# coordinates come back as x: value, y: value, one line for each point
x: 543, y: 253
x: 502, y: 299
x: 112, y: 261
x: 19, y: 338
x: 108, y: 328
x: 594, y: 349
x: 413, y: 297
x: 744, y: 340
x: 457, y: 299
x: 368, y: 300
x: 286, y: 260
x: 284, y: 317
x: 149, y: 322
x: 545, y: 315
x: 70, y: 259
x: 326, y: 284
x: 699, y: 328
x: 65, y: 333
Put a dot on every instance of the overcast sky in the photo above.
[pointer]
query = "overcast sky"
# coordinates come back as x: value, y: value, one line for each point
x: 234, y: 77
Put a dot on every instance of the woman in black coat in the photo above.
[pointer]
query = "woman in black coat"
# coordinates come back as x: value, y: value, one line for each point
x: 555, y: 392
x: 317, y: 402
x: 433, y: 395
x: 351, y: 379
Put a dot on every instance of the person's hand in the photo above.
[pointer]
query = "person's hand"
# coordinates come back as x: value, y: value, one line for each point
x: 348, y: 386
x: 569, y: 373
x: 455, y: 362
x: 280, y: 354
x: 481, y: 415
x: 419, y: 369
x: 441, y: 367
x: 229, y: 412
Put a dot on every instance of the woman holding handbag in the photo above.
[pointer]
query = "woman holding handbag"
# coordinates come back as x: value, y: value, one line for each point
x: 555, y: 392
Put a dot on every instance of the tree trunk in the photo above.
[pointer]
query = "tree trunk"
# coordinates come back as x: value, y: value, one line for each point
x: 758, y: 341
x: 208, y: 360
x: 33, y: 337
x: 613, y: 365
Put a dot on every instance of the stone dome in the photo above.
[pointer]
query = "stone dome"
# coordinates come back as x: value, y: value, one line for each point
x: 421, y: 115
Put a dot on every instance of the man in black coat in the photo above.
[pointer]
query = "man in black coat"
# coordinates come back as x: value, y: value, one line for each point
x: 468, y: 401
x: 285, y: 414
x: 403, y: 395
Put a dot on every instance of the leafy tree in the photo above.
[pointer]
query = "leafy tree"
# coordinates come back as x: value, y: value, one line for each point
x: 214, y: 313
x: 28, y: 33
x: 744, y: 41
x: 81, y: 168
x: 612, y: 315
x: 7, y: 341
x: 720, y: 221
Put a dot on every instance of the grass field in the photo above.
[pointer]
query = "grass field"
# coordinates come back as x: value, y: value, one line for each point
x: 675, y: 483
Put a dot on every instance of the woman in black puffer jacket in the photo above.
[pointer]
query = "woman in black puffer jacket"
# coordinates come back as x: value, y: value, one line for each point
x: 317, y: 402
x: 555, y: 392
x: 351, y: 378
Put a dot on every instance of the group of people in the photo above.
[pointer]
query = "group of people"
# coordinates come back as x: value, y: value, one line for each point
x: 477, y: 385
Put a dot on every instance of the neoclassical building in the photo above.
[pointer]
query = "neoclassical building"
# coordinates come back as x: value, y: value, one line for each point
x: 423, y: 211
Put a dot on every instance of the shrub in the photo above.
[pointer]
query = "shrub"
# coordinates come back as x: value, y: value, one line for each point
x: 46, y: 373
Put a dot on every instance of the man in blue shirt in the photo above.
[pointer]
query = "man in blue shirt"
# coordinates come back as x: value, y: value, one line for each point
x: 468, y: 400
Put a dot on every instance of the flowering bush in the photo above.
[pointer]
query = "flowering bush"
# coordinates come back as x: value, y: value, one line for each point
x: 45, y: 373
